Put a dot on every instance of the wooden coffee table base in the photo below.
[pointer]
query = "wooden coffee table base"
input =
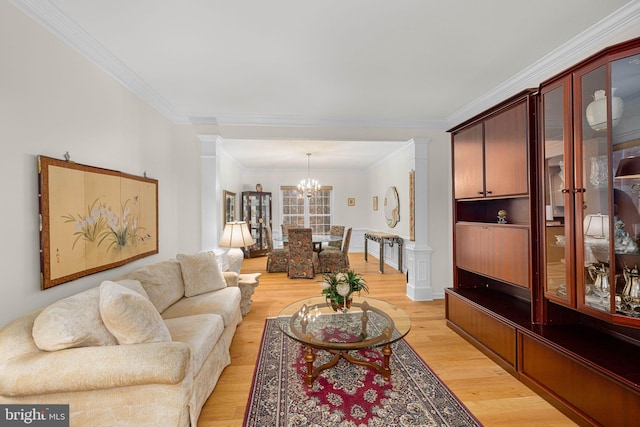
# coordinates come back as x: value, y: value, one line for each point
x: 312, y: 373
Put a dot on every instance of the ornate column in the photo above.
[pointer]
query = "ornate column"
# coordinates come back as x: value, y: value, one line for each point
x: 210, y: 204
x: 418, y: 252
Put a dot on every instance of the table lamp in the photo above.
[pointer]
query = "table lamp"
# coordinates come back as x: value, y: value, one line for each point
x: 236, y: 235
x: 596, y: 237
x: 596, y: 226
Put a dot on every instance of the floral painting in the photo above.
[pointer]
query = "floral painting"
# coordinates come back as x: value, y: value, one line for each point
x: 93, y: 219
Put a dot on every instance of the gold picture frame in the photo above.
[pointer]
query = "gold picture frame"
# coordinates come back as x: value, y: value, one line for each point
x: 412, y: 205
x: 351, y: 201
x: 375, y: 203
x: 229, y: 208
x: 92, y: 219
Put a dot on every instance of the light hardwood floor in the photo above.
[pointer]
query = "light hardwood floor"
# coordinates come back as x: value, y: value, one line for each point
x: 490, y: 393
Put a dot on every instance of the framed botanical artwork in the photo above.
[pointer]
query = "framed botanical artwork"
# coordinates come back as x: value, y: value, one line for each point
x: 229, y: 211
x: 92, y: 219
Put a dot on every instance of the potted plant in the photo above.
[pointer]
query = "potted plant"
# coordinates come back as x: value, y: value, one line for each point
x: 338, y: 288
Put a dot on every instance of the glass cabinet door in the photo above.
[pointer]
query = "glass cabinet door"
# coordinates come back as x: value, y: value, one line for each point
x: 624, y: 106
x: 558, y: 257
x: 593, y: 199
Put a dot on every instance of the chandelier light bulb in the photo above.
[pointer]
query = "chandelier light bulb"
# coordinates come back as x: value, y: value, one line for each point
x: 308, y: 186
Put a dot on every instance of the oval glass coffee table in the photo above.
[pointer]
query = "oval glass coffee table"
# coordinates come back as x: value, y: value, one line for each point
x: 369, y: 323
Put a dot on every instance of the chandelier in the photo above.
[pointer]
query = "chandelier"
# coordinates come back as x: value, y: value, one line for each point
x: 308, y: 187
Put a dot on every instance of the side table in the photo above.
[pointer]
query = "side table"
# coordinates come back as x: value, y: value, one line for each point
x: 247, y: 282
x: 383, y: 238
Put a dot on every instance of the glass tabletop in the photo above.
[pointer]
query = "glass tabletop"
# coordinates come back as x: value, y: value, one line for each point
x: 368, y: 323
x: 316, y: 238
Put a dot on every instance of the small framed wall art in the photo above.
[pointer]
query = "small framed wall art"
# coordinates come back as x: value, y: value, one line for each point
x: 229, y: 213
x: 351, y: 201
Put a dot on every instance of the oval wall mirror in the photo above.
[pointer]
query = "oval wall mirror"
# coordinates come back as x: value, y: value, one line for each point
x: 391, y: 207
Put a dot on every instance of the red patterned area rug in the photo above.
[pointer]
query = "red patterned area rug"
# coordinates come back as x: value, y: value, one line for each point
x: 347, y: 395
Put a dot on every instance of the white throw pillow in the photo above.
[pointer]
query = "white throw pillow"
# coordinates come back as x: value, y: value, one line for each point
x: 72, y: 322
x: 129, y: 316
x: 134, y: 285
x: 200, y: 273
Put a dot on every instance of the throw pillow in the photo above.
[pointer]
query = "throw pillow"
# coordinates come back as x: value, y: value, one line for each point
x: 72, y: 322
x: 129, y: 316
x: 134, y: 285
x: 200, y: 273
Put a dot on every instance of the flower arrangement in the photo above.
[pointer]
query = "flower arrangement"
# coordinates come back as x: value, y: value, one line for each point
x: 338, y: 287
x: 102, y: 225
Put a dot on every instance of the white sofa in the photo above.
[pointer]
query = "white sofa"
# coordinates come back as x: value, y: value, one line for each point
x: 146, y: 350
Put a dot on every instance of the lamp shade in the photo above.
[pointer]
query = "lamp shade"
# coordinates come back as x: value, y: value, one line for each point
x: 236, y: 235
x: 596, y: 225
x: 628, y: 167
x: 597, y: 110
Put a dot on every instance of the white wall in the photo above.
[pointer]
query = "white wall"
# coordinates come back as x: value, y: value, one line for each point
x: 391, y: 172
x: 52, y: 101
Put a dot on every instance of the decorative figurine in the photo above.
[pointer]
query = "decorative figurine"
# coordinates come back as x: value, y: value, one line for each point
x: 259, y: 187
x: 502, y: 216
x: 623, y: 242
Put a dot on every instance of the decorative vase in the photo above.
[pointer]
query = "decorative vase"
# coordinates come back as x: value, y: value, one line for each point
x: 597, y: 110
x: 340, y: 306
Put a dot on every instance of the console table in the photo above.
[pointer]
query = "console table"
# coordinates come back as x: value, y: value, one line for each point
x: 382, y: 239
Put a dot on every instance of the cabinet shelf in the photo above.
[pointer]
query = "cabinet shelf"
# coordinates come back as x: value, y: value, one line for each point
x: 486, y: 210
x: 494, y: 224
x: 509, y: 309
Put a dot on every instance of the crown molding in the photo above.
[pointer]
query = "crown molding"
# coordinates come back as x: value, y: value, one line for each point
x: 297, y: 121
x: 589, y: 42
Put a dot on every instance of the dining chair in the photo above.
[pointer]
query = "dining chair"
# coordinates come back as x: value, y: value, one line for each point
x: 335, y: 245
x: 303, y: 260
x: 285, y: 232
x: 277, y: 259
x: 332, y: 261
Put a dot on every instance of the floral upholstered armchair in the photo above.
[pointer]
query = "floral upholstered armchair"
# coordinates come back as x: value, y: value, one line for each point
x: 333, y: 260
x: 303, y: 260
x: 335, y: 245
x: 277, y: 259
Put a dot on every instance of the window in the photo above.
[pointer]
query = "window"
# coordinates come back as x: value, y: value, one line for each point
x: 313, y: 212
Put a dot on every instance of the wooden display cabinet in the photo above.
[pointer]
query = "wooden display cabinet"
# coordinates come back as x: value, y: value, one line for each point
x: 256, y: 211
x: 554, y: 298
x: 491, y: 156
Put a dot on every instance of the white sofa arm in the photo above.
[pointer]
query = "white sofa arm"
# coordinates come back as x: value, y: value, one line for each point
x: 231, y: 278
x: 91, y: 368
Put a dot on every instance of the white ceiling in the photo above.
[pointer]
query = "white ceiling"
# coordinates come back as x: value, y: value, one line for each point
x: 285, y: 77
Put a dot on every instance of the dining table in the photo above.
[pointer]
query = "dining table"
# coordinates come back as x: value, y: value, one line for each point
x: 317, y: 239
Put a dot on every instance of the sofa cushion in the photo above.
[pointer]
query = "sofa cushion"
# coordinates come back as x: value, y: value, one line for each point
x: 200, y: 332
x: 129, y: 316
x: 224, y: 302
x: 75, y: 321
x: 200, y: 273
x: 134, y: 285
x: 162, y: 281
x: 72, y: 322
